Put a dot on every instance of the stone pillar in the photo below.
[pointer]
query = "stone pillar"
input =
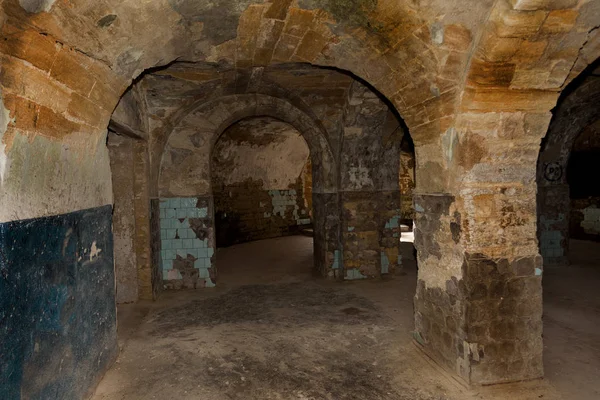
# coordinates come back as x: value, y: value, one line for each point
x: 479, y: 296
x: 121, y: 162
x: 326, y: 228
x: 148, y: 284
x: 370, y: 233
x: 554, y: 205
x: 440, y: 300
x: 369, y: 187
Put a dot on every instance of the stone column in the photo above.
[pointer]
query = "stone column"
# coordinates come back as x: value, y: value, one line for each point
x: 479, y: 297
x: 554, y: 205
x: 326, y: 228
x: 148, y: 284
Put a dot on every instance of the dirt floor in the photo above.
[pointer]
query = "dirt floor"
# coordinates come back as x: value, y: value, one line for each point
x: 271, y: 330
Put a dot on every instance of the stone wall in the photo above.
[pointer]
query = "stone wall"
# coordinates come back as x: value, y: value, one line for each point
x: 258, y: 176
x: 407, y: 180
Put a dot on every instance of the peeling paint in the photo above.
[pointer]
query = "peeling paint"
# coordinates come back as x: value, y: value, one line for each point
x: 94, y: 251
x: 360, y: 177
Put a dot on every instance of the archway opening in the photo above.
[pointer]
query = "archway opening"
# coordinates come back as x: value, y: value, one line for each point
x: 261, y: 179
x: 568, y: 234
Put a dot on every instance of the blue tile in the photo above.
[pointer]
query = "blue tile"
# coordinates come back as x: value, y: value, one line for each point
x: 167, y: 264
x: 188, y: 243
x: 202, y: 272
x: 171, y: 233
x: 178, y: 243
x: 210, y: 251
x: 166, y: 244
x: 209, y: 283
x: 164, y: 203
x: 182, y: 253
x: 202, y: 253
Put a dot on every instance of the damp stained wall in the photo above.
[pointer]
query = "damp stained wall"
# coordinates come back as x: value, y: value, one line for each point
x: 57, y: 305
x: 259, y: 172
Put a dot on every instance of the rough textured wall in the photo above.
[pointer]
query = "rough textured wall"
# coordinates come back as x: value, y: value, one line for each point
x: 258, y: 184
x: 407, y: 182
x: 57, y: 305
x: 121, y: 151
x: 369, y: 190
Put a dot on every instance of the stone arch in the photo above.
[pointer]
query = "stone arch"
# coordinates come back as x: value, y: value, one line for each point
x: 213, y: 117
x: 189, y: 146
x: 579, y: 108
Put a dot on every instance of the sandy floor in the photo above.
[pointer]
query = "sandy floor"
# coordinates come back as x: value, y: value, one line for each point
x: 270, y: 330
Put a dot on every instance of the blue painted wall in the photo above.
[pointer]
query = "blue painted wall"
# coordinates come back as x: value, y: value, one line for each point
x: 57, y: 305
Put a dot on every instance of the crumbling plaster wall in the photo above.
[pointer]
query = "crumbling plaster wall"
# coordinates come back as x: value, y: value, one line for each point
x: 257, y: 181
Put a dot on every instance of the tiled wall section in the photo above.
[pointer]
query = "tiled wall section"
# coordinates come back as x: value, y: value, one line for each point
x: 591, y: 220
x: 246, y: 212
x: 285, y: 201
x: 187, y: 242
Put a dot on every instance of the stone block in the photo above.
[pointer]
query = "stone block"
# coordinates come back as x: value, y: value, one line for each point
x: 299, y: 21
x: 311, y: 46
x: 520, y: 23
x: 559, y: 21
x: 71, y: 69
x: 531, y: 5
x: 485, y: 73
x: 501, y: 100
